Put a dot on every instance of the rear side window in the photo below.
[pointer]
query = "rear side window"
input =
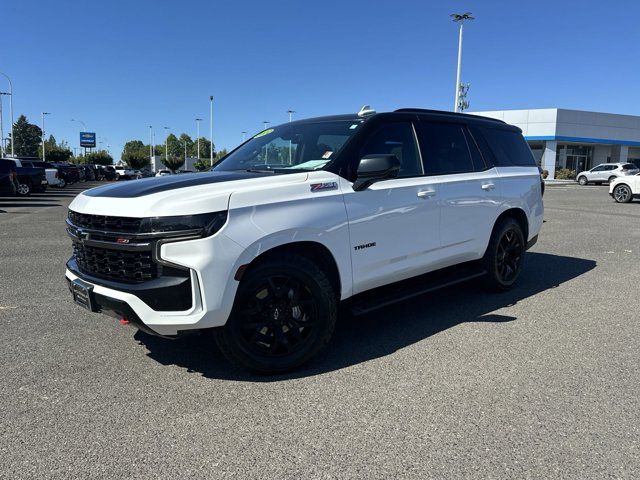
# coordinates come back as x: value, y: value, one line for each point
x: 509, y: 148
x: 444, y: 148
x: 629, y: 166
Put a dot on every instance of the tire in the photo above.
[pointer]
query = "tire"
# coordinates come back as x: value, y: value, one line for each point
x: 24, y: 189
x: 284, y: 314
x: 611, y: 179
x: 117, y: 177
x: 504, y: 255
x: 622, y: 193
x: 582, y: 180
x: 61, y: 183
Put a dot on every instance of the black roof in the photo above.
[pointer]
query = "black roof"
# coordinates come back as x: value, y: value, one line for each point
x: 355, y: 117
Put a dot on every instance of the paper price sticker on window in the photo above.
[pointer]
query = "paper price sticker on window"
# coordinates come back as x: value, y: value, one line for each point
x: 263, y: 133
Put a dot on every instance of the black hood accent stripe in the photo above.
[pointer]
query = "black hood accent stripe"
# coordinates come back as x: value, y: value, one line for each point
x: 148, y: 186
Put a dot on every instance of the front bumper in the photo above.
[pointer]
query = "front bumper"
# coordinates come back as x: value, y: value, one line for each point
x: 211, y: 262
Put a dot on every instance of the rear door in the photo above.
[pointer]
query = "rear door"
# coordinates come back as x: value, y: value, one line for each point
x: 468, y: 189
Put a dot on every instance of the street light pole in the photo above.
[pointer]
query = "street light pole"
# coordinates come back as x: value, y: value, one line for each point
x: 211, y: 129
x: 290, y: 112
x: 166, y: 143
x: 266, y: 145
x: 198, y: 120
x: 13, y: 140
x: 1, y: 127
x: 151, y: 144
x: 459, y: 19
x: 244, y: 135
x: 44, y: 158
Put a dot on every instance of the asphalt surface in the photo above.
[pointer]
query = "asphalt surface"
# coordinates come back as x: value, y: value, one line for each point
x: 540, y: 382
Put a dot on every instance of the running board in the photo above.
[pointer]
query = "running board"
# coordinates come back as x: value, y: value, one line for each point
x: 380, y: 297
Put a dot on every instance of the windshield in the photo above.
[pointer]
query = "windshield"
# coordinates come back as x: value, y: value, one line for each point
x: 300, y: 146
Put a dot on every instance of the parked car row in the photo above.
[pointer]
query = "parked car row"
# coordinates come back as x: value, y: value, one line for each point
x: 22, y: 176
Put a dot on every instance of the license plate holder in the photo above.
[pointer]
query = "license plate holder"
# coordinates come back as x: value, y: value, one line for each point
x: 83, y: 294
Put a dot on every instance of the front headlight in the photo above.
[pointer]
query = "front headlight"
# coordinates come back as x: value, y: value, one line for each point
x: 203, y: 225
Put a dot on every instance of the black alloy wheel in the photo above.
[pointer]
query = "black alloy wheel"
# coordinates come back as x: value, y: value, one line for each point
x: 504, y: 255
x: 284, y: 314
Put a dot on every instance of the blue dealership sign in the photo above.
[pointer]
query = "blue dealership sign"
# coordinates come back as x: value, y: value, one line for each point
x: 88, y: 139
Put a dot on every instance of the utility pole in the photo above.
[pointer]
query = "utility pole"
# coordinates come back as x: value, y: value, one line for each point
x: 44, y: 158
x: 166, y: 143
x: 198, y: 120
x: 290, y: 112
x: 459, y: 19
x: 13, y: 138
x: 151, y: 144
x: 211, y: 129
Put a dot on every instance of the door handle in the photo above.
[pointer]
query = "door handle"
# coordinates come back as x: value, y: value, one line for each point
x: 488, y: 186
x: 426, y: 193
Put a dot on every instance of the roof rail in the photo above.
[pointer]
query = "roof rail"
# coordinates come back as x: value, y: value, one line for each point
x: 444, y: 112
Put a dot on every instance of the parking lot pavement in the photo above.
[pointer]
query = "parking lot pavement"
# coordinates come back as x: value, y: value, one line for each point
x: 540, y: 382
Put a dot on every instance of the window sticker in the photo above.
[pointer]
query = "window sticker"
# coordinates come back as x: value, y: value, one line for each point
x: 327, y: 154
x: 263, y: 133
x: 353, y: 127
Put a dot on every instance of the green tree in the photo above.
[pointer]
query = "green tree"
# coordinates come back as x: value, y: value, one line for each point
x: 101, y: 157
x: 27, y: 138
x: 219, y: 156
x: 184, y: 138
x: 54, y: 151
x: 173, y: 163
x: 136, y: 160
x: 202, y: 165
x: 174, y: 147
x: 205, y: 145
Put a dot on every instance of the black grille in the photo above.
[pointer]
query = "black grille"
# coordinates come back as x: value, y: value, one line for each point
x: 102, y: 222
x: 118, y: 265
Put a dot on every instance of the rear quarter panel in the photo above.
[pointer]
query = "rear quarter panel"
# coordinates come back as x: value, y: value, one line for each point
x: 520, y: 188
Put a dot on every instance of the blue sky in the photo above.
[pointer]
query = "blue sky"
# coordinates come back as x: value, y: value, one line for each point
x: 121, y: 66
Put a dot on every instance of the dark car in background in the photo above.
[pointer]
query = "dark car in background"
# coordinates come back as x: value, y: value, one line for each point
x: 109, y: 173
x: 8, y: 178
x: 30, y: 179
x: 89, y: 173
x: 70, y: 173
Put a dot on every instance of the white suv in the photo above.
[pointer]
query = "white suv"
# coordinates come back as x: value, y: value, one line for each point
x: 304, y: 216
x: 606, y: 172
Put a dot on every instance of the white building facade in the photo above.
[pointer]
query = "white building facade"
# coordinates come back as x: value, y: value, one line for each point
x: 573, y: 139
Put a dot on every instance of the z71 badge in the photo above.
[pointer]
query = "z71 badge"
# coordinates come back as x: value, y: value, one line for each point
x: 320, y: 187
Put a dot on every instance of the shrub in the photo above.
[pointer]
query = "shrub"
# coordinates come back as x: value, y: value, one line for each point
x: 565, y: 174
x: 545, y: 174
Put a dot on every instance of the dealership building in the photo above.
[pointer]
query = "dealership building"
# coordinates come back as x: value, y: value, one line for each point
x: 575, y: 139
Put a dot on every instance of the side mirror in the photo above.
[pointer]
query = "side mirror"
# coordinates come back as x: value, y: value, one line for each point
x: 374, y: 168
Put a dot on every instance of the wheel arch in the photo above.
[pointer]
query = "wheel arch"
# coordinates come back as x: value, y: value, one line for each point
x: 314, y: 251
x: 519, y: 215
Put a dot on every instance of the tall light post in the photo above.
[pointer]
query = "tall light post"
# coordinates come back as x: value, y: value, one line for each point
x: 290, y: 112
x: 198, y: 120
x: 2, y: 147
x: 166, y: 143
x: 244, y: 135
x: 459, y: 19
x: 13, y: 141
x: 266, y: 145
x: 211, y: 129
x: 150, y: 143
x: 44, y: 158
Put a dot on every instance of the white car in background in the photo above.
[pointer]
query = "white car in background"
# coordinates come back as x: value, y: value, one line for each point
x: 606, y: 172
x: 162, y: 173
x: 625, y: 189
x: 124, y: 173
